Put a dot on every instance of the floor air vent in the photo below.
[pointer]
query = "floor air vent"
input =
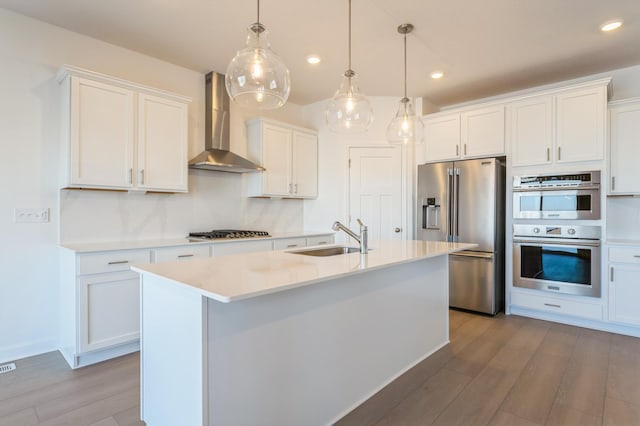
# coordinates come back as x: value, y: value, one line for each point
x: 7, y: 367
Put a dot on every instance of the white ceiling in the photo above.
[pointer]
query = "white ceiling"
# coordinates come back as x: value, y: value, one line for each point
x: 484, y: 47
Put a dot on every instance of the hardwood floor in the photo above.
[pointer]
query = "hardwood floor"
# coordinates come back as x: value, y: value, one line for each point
x: 497, y: 371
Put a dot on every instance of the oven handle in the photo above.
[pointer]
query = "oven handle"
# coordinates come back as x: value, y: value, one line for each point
x: 536, y: 189
x: 558, y: 241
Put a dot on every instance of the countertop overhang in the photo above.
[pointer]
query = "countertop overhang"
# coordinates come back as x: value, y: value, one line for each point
x: 242, y: 276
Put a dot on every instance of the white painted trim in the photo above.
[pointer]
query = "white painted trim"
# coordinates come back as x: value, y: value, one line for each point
x: 624, y: 102
x: 69, y: 70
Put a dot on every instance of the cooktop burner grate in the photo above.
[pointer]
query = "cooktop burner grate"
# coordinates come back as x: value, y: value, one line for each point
x: 228, y: 233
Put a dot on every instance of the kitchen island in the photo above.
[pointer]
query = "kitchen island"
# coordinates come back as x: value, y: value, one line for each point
x: 279, y: 338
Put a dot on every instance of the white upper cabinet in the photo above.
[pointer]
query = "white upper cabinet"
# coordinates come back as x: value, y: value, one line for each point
x: 624, y: 145
x: 560, y: 127
x: 290, y: 156
x: 442, y: 137
x: 477, y: 132
x: 122, y: 136
x: 482, y: 132
x: 581, y: 118
x: 532, y: 131
x: 162, y: 144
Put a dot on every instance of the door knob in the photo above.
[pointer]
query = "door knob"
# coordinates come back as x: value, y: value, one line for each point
x: 396, y: 230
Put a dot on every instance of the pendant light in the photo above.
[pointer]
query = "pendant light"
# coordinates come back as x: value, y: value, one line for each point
x: 349, y: 111
x: 256, y: 77
x: 405, y: 127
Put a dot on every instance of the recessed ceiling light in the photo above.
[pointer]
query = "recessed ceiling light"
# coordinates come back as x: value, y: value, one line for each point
x: 611, y: 25
x: 437, y: 74
x: 313, y: 59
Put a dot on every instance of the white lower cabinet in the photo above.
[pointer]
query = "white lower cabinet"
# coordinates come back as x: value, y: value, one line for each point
x: 172, y: 254
x: 320, y: 240
x: 289, y: 243
x: 245, y: 246
x: 100, y: 305
x: 557, y: 305
x: 624, y: 285
x: 109, y: 310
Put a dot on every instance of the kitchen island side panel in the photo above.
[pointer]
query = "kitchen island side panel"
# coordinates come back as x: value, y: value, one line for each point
x: 173, y: 328
x: 310, y: 355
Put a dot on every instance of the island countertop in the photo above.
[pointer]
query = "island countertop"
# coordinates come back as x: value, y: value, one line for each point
x: 242, y: 276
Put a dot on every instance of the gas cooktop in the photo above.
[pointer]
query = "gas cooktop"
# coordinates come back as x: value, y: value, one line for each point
x: 227, y: 233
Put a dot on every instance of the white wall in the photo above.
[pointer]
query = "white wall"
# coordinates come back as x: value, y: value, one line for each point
x: 31, y: 53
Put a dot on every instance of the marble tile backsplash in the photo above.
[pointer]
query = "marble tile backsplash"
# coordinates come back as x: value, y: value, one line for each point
x: 215, y: 200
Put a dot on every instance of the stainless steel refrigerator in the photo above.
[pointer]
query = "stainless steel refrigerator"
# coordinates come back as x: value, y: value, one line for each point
x: 465, y: 201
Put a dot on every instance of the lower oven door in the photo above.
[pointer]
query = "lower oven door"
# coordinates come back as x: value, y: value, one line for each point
x: 571, y: 267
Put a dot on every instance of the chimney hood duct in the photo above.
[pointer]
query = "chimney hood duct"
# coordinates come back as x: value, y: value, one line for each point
x: 217, y: 156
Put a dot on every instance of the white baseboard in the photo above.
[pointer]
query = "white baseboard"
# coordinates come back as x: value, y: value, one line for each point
x: 12, y: 353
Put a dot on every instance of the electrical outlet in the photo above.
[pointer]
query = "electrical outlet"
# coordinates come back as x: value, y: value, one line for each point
x: 37, y: 215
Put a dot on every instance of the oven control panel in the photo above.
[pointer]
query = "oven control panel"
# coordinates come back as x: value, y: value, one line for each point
x: 557, y: 231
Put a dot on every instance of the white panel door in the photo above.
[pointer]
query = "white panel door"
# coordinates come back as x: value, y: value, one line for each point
x: 162, y: 144
x: 375, y: 191
x: 102, y: 132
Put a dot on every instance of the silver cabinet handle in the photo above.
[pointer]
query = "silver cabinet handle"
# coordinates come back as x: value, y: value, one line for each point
x: 465, y: 149
x: 118, y: 262
x: 181, y: 256
x: 295, y: 188
x: 292, y: 245
x: 290, y: 188
x: 559, y: 153
x: 548, y: 154
x: 396, y: 230
x: 457, y: 153
x: 142, y: 176
x: 613, y: 183
x: 321, y: 243
x: 130, y: 175
x: 636, y: 255
x: 552, y: 305
x: 611, y: 270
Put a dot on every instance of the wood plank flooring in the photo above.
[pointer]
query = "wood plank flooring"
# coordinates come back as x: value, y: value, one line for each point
x: 504, y: 371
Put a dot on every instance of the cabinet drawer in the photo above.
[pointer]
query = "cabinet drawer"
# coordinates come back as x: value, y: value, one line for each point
x: 289, y: 243
x: 171, y: 254
x: 624, y: 254
x: 226, y: 248
x: 556, y: 305
x: 111, y: 261
x: 319, y: 241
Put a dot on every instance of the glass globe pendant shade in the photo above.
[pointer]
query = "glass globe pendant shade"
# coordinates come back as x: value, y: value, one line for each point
x: 256, y: 77
x: 349, y: 111
x: 406, y: 127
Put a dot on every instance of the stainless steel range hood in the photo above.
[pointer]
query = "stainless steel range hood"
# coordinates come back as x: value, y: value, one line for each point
x: 217, y: 156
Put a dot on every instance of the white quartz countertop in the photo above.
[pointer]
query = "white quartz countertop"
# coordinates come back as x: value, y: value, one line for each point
x: 242, y: 276
x: 169, y: 242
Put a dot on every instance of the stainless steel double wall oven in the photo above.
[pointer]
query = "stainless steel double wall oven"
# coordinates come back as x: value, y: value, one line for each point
x: 551, y: 256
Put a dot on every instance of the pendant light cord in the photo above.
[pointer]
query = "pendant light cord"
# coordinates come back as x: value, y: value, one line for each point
x: 258, y: 18
x: 405, y: 65
x: 349, y: 35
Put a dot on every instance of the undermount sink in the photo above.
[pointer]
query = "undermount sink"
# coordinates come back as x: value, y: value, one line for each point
x: 326, y: 251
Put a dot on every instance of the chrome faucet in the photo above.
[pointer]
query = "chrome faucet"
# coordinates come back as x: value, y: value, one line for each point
x: 362, y: 239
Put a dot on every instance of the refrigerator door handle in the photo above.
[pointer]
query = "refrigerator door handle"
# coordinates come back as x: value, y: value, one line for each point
x: 449, y: 204
x: 456, y: 203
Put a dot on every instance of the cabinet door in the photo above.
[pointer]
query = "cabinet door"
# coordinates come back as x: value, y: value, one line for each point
x: 102, y: 134
x: 624, y: 294
x: 162, y: 144
x: 304, y: 165
x: 532, y: 131
x: 320, y: 240
x: 276, y: 159
x: 109, y: 310
x: 442, y: 137
x: 580, y: 128
x: 173, y: 254
x: 289, y: 243
x: 625, y: 148
x: 482, y: 132
x: 235, y: 247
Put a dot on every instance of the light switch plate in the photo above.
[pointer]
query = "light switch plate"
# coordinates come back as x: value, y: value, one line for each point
x: 25, y: 215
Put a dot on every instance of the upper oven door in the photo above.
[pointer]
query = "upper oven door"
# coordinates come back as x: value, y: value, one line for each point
x: 556, y: 204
